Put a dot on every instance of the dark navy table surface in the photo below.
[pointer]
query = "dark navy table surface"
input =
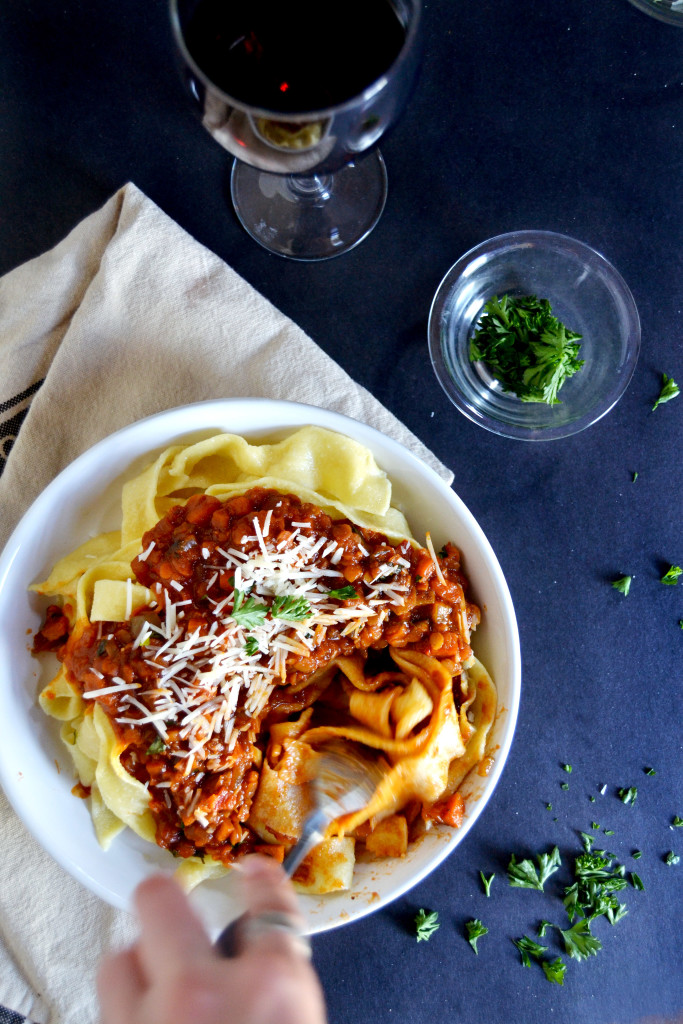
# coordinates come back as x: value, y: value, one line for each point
x: 566, y: 116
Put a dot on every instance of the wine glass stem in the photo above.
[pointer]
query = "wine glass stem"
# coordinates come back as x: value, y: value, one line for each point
x: 312, y: 188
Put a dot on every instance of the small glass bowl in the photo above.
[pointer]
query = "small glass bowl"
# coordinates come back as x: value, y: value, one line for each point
x: 670, y: 11
x: 585, y: 292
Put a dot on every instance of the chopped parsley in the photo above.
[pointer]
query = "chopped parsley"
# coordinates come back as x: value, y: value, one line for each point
x: 475, y: 930
x: 343, y: 593
x: 486, y: 882
x: 528, y: 948
x: 292, y: 609
x: 554, y: 970
x: 669, y: 390
x: 671, y: 858
x: 251, y: 645
x: 157, y: 746
x: 246, y: 611
x: 623, y: 584
x: 426, y: 923
x: 671, y: 576
x: 649, y: 771
x: 628, y: 796
x: 525, y: 347
x: 677, y: 822
x: 636, y: 881
x: 567, y: 768
x: 525, y: 876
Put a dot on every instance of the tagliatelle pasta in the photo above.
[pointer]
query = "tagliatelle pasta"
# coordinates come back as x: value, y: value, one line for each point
x: 259, y: 602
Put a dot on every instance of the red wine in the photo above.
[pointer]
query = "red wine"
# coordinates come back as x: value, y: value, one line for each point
x: 293, y: 56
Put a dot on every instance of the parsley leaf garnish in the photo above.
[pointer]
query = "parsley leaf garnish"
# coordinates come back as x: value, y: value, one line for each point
x: 628, y: 796
x: 636, y: 881
x: 426, y: 923
x: 524, y: 874
x: 554, y: 970
x: 343, y: 593
x: 486, y: 882
x: 567, y: 768
x: 292, y: 609
x: 157, y: 746
x: 246, y: 611
x: 623, y: 584
x: 528, y: 948
x: 525, y: 347
x: 677, y: 822
x: 475, y: 930
x: 671, y: 858
x: 671, y: 576
x: 669, y: 390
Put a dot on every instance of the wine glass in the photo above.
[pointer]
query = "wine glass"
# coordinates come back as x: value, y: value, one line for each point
x: 298, y: 94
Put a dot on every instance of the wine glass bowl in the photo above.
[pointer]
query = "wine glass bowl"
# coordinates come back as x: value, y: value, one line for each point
x: 305, y: 98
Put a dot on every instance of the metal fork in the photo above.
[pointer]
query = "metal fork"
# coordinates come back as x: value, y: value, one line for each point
x: 344, y: 781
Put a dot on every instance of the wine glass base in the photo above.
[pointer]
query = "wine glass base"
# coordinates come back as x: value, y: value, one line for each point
x: 311, y: 217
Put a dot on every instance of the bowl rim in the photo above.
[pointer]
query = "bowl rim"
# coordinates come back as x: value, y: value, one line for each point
x: 665, y: 14
x: 123, y: 450
x: 527, y: 238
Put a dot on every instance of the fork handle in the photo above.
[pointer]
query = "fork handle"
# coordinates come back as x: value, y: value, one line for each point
x: 313, y: 833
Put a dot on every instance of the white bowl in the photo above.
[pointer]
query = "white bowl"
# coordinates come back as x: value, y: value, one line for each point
x: 81, y: 502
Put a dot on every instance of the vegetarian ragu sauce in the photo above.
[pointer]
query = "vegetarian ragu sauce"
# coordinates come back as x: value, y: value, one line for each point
x: 201, y: 803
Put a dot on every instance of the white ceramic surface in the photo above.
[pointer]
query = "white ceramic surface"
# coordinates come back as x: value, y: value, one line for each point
x: 81, y: 502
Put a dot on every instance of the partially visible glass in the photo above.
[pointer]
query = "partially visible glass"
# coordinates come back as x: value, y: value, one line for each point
x: 670, y: 11
x: 307, y: 183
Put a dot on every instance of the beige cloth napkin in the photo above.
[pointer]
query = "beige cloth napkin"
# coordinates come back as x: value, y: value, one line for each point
x: 126, y: 317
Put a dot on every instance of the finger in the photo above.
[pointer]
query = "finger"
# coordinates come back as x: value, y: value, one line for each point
x: 120, y: 987
x: 171, y: 933
x: 267, y: 887
x: 268, y: 891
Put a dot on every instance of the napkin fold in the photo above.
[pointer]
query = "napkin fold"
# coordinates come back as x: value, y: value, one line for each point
x: 126, y: 317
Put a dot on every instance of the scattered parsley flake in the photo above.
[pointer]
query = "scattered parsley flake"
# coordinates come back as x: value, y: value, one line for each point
x: 525, y: 347
x: 595, y: 825
x: 565, y: 785
x: 636, y: 881
x: 669, y: 390
x: 628, y: 796
x: 567, y: 768
x: 525, y: 876
x: 344, y: 593
x: 635, y: 477
x: 579, y: 942
x: 671, y: 858
x: 677, y: 822
x: 672, y: 575
x: 548, y: 807
x: 554, y: 970
x: 528, y: 948
x: 637, y: 854
x: 649, y: 771
x: 157, y: 746
x: 475, y: 930
x: 486, y: 882
x: 623, y: 584
x: 608, y: 831
x: 426, y: 923
x: 543, y: 928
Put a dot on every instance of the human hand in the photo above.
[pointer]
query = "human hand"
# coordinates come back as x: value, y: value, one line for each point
x: 173, y: 973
